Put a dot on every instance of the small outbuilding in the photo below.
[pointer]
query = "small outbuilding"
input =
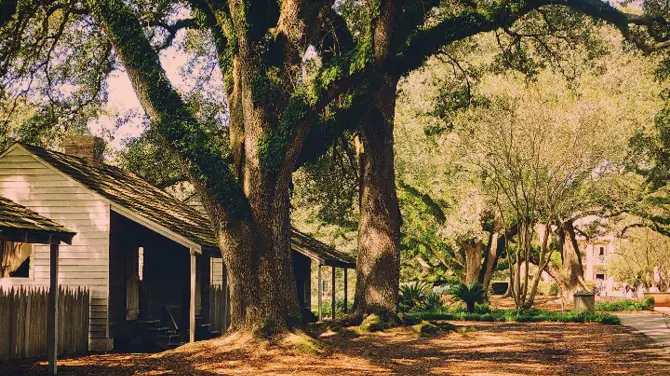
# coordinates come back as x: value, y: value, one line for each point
x: 150, y: 261
x: 19, y: 225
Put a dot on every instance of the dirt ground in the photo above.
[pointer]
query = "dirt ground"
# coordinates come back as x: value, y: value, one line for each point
x: 486, y: 349
x: 551, y: 303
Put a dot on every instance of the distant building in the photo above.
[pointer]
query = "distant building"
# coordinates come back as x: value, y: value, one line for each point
x: 595, y: 254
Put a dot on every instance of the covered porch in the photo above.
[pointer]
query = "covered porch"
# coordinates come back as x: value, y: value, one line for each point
x: 307, y: 250
x: 159, y: 285
x: 21, y: 225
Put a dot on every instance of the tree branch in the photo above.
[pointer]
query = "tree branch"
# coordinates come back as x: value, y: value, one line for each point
x: 434, y: 208
x: 173, y: 29
x: 470, y: 22
x: 200, y: 156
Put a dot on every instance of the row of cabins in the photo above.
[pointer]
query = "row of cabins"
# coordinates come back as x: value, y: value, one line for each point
x: 149, y: 260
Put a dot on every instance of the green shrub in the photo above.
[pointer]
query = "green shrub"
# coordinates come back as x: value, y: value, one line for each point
x: 553, y: 290
x: 470, y: 295
x: 520, y: 315
x: 412, y: 296
x: 482, y: 308
x: 417, y: 296
x: 327, y: 306
x: 431, y: 302
x: 626, y: 305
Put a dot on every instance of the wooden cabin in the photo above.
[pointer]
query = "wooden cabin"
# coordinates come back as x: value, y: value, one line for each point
x: 20, y: 226
x: 148, y: 259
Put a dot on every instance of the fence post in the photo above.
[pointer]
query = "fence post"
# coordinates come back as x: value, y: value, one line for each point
x: 191, y: 315
x: 52, y: 334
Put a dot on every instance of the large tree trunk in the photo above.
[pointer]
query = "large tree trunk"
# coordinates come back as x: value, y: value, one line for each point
x: 473, y: 261
x: 496, y: 244
x: 570, y: 275
x: 248, y: 203
x: 260, y: 275
x: 378, y: 264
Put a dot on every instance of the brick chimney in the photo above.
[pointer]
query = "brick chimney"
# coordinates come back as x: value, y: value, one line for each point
x: 89, y: 148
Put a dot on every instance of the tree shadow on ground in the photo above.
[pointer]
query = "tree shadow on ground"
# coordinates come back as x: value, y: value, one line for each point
x: 491, y: 349
x: 514, y: 349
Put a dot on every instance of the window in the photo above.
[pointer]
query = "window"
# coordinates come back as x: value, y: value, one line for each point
x: 324, y: 287
x: 602, y: 251
x: 15, y: 259
x: 140, y: 263
x: 600, y: 276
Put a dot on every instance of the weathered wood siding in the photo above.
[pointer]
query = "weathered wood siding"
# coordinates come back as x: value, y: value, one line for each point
x: 219, y: 315
x: 35, y: 185
x: 24, y: 316
x: 216, y: 264
x: 217, y: 271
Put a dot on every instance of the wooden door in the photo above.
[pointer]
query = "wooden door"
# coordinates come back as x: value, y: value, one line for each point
x: 132, y: 284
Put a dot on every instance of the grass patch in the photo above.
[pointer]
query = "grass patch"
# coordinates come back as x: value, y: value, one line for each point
x: 646, y: 304
x: 372, y: 323
x: 302, y: 342
x: 518, y: 315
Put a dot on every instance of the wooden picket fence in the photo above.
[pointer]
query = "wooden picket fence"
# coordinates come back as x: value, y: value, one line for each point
x: 216, y: 309
x: 24, y: 316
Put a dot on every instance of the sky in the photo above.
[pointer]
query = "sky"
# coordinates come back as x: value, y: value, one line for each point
x: 122, y: 99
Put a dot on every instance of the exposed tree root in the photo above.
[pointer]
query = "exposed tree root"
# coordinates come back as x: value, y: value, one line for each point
x: 255, y: 344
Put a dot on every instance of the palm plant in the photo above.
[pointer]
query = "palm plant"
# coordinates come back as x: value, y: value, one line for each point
x: 431, y: 302
x: 412, y: 295
x: 470, y: 295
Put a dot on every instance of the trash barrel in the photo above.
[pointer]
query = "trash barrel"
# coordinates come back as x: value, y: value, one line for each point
x: 585, y: 301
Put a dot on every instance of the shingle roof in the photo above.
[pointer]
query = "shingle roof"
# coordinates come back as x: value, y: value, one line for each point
x: 145, y: 200
x: 133, y: 193
x: 320, y: 251
x: 15, y: 219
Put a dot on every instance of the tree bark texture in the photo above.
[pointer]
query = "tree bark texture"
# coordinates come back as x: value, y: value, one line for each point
x: 247, y: 204
x: 473, y: 261
x: 492, y: 255
x: 378, y: 263
x: 570, y: 275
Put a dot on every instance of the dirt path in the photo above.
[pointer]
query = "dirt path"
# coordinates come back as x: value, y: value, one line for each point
x: 491, y: 349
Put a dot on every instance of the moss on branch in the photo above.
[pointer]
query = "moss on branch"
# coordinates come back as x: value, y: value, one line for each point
x: 166, y: 109
x: 469, y: 22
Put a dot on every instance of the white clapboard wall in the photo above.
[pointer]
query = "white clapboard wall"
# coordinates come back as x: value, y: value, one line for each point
x: 38, y: 186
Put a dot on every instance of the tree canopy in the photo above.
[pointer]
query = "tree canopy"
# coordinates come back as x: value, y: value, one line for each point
x: 296, y: 76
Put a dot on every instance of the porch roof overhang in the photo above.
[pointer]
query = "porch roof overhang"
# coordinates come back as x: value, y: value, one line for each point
x: 38, y: 237
x: 130, y: 196
x: 319, y: 251
x: 20, y: 224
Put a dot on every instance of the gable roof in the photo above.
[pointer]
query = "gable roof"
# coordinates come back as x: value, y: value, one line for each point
x: 131, y: 194
x: 18, y: 223
x: 319, y: 251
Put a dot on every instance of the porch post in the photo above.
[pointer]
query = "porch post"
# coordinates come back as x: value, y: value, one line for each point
x: 318, y: 289
x: 191, y: 326
x: 332, y: 294
x: 52, y: 325
x: 226, y: 302
x: 205, y: 278
x: 346, y: 307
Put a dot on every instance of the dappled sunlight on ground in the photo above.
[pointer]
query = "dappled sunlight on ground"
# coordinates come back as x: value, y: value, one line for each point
x: 480, y: 349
